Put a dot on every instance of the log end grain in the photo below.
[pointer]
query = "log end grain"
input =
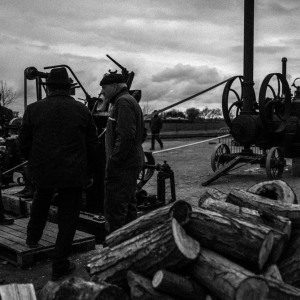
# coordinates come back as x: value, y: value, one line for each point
x: 189, y: 247
x: 157, y: 278
x: 275, y: 189
x: 252, y: 288
x: 181, y: 211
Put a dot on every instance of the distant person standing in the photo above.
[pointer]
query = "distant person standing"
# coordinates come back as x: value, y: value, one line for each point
x: 155, y: 127
x: 58, y: 138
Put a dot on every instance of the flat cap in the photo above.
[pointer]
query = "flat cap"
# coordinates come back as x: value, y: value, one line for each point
x: 112, y: 78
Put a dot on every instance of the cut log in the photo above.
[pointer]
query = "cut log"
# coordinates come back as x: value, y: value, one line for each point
x: 290, y: 270
x: 244, y: 242
x: 48, y: 291
x: 141, y: 288
x: 17, y: 292
x: 181, y: 211
x: 293, y: 248
x: 214, y: 194
x: 265, y: 206
x: 178, y: 286
x: 277, y: 222
x: 166, y: 246
x: 252, y: 216
x: 275, y: 189
x: 227, y: 280
x: 76, y: 288
x: 283, y: 291
x: 289, y: 265
x: 272, y: 272
x: 140, y: 225
x: 148, y: 221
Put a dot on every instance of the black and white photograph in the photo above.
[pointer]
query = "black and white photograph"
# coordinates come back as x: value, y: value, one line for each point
x: 150, y: 150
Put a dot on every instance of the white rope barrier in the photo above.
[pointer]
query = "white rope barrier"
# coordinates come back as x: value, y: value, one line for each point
x: 200, y: 142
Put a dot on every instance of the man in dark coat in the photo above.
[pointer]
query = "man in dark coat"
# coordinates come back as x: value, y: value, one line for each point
x: 58, y: 138
x: 124, y: 152
x: 155, y: 127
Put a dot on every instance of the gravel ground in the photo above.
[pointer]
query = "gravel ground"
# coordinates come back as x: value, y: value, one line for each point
x: 191, y: 166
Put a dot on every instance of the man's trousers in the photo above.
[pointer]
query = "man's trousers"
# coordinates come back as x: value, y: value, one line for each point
x: 120, y: 201
x: 69, y: 203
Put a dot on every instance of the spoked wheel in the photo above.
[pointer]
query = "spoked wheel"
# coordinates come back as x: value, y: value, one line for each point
x: 146, y: 172
x: 232, y: 99
x: 274, y: 102
x: 217, y: 157
x: 275, y: 163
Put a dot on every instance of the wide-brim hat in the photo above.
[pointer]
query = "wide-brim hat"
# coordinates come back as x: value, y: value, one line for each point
x: 59, y: 77
x: 112, y: 78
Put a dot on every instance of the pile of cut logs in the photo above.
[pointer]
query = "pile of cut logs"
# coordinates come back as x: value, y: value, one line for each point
x: 242, y: 245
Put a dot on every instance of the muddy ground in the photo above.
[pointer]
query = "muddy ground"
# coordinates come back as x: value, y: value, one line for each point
x: 191, y: 166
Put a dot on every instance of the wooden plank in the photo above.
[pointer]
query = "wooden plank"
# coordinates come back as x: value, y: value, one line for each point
x: 17, y: 292
x: 51, y: 229
x: 20, y: 226
x: 18, y: 236
x: 14, y: 249
x: 22, y: 207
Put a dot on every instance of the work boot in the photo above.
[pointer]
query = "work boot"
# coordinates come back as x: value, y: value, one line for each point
x: 4, y: 220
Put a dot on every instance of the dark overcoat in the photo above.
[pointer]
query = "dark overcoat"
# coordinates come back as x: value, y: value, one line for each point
x: 124, y: 134
x: 58, y: 137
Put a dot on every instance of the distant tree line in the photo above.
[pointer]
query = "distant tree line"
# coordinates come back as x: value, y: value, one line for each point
x: 192, y: 114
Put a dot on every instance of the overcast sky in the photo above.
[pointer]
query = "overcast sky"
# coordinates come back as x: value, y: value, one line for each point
x: 176, y: 48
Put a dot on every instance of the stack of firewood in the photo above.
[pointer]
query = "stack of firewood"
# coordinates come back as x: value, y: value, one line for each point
x: 241, y: 245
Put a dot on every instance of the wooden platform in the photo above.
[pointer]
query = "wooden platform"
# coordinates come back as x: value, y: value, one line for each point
x: 13, y: 246
x: 21, y: 207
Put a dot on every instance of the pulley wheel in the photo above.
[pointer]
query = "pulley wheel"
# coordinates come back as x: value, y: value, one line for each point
x: 217, y: 157
x: 233, y: 98
x: 275, y: 163
x: 274, y: 102
x: 146, y: 173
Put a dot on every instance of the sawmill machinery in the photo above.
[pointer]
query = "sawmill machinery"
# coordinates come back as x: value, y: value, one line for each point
x: 271, y: 123
x: 100, y: 114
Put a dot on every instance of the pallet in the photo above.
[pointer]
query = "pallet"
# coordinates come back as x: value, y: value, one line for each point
x: 21, y: 207
x: 14, y: 249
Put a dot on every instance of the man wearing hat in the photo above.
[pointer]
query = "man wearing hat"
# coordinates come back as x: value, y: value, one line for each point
x: 124, y: 152
x: 58, y: 138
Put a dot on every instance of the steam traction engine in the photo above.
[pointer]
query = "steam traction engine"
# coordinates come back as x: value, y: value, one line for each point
x: 271, y: 124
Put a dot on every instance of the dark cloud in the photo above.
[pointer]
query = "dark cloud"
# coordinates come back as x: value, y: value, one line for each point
x: 182, y: 81
x: 271, y: 49
x: 187, y: 73
x: 176, y: 48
